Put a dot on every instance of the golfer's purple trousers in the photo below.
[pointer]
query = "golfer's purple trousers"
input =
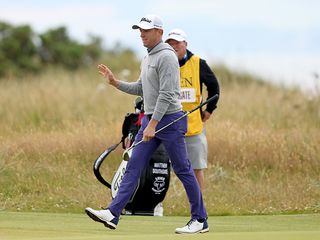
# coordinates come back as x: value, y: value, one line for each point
x: 173, y: 139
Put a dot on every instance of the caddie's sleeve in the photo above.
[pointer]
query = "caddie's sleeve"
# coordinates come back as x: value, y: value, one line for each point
x: 208, y: 78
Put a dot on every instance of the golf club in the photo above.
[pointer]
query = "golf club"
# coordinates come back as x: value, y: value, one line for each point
x: 176, y: 120
x: 102, y: 156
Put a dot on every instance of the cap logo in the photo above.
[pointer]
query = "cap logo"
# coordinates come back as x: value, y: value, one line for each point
x: 174, y: 33
x: 145, y: 20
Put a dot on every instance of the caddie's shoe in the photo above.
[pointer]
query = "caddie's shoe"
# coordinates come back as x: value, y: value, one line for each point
x: 194, y: 226
x: 158, y: 210
x: 103, y: 216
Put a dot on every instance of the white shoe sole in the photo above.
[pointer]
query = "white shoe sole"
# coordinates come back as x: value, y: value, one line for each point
x: 201, y: 231
x: 98, y: 219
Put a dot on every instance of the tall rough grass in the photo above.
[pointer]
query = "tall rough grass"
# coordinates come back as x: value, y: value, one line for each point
x: 263, y: 146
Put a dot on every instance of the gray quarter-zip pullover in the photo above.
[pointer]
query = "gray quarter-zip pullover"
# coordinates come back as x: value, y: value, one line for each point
x: 159, y: 82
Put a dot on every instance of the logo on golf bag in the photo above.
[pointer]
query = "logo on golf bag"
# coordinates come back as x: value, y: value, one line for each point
x: 159, y: 185
x: 116, y: 181
x: 160, y: 168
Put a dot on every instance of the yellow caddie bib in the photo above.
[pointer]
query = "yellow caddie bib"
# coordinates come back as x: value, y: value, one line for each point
x: 190, y: 95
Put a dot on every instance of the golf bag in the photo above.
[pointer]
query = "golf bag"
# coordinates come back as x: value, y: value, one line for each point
x: 155, y: 178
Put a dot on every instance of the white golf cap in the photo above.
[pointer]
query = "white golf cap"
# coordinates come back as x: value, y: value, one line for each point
x: 177, y: 34
x: 148, y: 22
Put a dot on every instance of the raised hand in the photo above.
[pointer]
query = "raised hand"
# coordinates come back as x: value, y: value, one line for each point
x: 107, y: 74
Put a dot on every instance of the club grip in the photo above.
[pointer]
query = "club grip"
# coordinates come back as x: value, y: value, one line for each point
x: 214, y: 97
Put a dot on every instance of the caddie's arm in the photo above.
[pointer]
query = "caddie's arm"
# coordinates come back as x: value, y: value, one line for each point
x: 205, y: 116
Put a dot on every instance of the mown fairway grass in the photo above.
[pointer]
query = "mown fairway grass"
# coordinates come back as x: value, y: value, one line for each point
x: 30, y: 226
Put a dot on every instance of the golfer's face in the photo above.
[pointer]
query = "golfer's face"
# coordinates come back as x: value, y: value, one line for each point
x: 179, y: 47
x: 150, y: 37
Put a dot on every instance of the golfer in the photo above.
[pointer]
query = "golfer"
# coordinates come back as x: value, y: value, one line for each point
x: 159, y: 84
